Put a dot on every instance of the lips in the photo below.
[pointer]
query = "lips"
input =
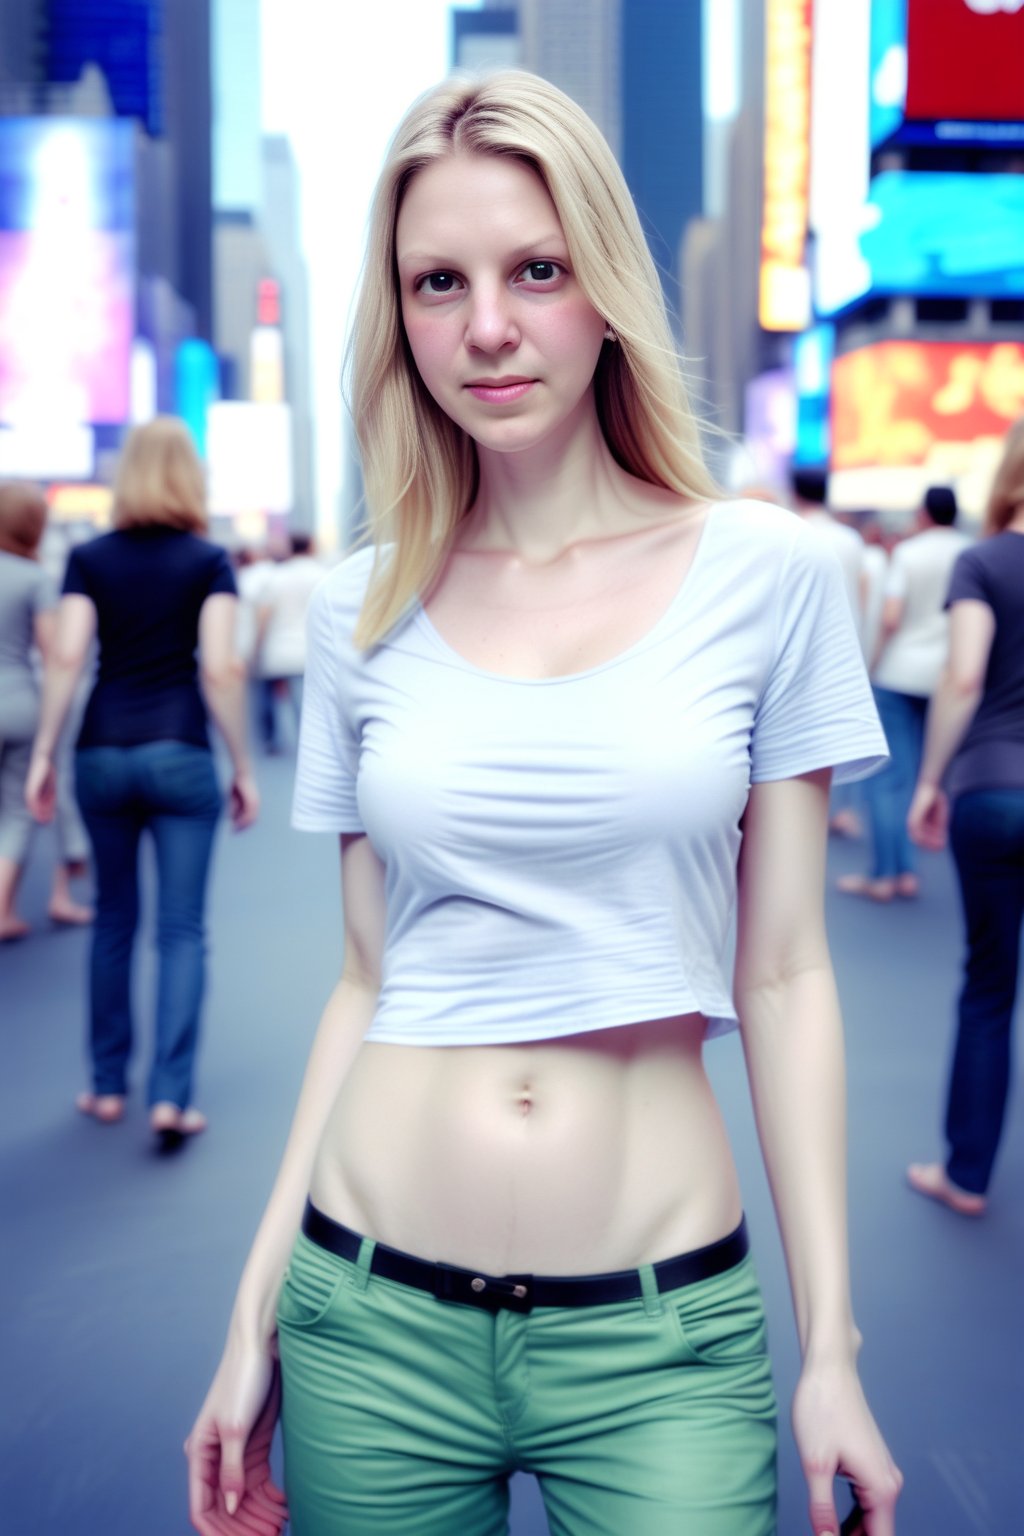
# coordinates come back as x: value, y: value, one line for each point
x: 500, y: 391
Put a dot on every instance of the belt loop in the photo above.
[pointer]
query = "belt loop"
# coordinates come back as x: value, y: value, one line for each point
x: 649, y: 1285
x: 361, y: 1273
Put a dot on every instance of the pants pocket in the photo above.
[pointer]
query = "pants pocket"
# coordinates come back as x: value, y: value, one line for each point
x: 721, y: 1321
x: 310, y: 1285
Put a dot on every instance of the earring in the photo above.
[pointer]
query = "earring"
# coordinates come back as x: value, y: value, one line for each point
x: 609, y: 334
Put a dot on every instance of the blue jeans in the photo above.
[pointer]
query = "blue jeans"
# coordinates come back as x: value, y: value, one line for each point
x: 987, y: 837
x: 888, y: 794
x: 170, y: 789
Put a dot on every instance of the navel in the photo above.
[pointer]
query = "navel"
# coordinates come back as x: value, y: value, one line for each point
x: 525, y: 1100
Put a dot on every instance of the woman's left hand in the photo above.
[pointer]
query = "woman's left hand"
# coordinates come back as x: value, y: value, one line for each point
x: 928, y: 818
x: 837, y: 1436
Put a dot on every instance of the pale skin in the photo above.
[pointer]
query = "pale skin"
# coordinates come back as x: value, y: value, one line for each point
x: 564, y: 561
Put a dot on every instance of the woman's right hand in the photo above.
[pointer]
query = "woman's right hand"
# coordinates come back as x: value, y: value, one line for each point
x: 244, y: 801
x: 41, y: 787
x: 230, y: 1488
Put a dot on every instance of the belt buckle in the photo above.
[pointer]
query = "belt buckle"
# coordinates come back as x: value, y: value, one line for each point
x: 513, y: 1292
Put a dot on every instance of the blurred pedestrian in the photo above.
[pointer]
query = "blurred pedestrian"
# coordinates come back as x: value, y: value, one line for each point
x: 152, y: 591
x: 809, y: 488
x: 27, y: 602
x: 974, y: 760
x: 910, y: 650
x: 541, y: 714
x: 282, y: 603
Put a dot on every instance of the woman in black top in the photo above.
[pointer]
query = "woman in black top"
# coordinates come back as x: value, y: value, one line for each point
x: 152, y: 591
x: 974, y: 758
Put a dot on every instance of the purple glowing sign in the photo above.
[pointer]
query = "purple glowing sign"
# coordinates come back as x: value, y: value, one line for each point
x: 67, y: 263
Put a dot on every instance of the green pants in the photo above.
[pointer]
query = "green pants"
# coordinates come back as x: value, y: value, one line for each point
x: 404, y: 1415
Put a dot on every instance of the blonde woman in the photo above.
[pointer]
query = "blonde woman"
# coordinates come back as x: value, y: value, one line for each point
x: 152, y: 591
x: 974, y: 761
x: 507, y: 1231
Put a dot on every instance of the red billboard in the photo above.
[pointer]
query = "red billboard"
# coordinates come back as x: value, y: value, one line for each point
x: 965, y: 59
x: 894, y: 402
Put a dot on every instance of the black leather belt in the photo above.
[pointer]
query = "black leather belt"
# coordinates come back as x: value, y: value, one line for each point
x: 521, y: 1292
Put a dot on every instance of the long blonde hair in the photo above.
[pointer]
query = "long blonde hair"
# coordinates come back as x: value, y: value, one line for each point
x: 1006, y: 498
x: 160, y: 479
x: 420, y: 470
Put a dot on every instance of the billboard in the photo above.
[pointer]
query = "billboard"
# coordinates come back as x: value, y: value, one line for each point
x: 894, y: 400
x: 946, y: 233
x: 909, y: 413
x: 67, y: 260
x: 918, y: 94
x: 784, y: 302
x: 812, y: 366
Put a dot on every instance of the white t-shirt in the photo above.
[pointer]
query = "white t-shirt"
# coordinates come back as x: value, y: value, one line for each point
x: 249, y: 580
x: 286, y: 590
x: 560, y: 853
x: 919, y: 573
x: 876, y: 571
x: 849, y: 548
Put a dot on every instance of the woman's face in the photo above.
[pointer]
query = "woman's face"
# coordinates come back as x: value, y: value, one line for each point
x: 502, y: 335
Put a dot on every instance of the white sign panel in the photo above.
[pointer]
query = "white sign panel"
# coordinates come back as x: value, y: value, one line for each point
x: 249, y: 458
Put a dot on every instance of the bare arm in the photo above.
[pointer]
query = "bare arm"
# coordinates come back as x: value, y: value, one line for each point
x: 222, y: 677
x: 220, y: 1473
x: 44, y: 631
x: 65, y: 658
x: 892, y: 618
x: 792, y: 1039
x: 972, y: 629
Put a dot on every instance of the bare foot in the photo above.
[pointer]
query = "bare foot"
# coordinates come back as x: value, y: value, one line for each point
x: 172, y: 1124
x: 70, y: 912
x: 932, y: 1180
x: 846, y: 824
x: 12, y: 927
x: 908, y: 886
x: 107, y: 1108
x: 860, y: 885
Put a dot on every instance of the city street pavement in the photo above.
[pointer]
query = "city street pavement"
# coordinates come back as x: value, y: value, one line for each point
x: 119, y: 1266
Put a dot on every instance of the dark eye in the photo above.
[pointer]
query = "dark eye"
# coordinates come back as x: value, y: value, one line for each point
x: 541, y: 271
x: 438, y: 283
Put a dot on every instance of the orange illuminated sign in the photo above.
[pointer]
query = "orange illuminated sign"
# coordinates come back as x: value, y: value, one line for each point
x: 80, y: 503
x: 893, y: 401
x: 784, y: 296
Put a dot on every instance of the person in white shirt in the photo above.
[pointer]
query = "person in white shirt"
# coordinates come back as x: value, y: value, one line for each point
x: 280, y: 645
x: 570, y: 712
x: 810, y: 494
x: 908, y: 659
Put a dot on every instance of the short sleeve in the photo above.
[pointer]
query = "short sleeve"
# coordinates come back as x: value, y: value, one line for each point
x: 222, y: 577
x: 328, y: 755
x: 76, y: 575
x: 969, y: 581
x: 816, y: 708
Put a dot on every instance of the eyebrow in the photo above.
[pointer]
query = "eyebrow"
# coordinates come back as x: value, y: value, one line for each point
x: 425, y: 259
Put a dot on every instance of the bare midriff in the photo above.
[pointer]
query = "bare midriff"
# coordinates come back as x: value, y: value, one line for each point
x: 596, y: 1152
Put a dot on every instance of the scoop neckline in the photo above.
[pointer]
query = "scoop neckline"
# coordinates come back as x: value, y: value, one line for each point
x: 426, y: 624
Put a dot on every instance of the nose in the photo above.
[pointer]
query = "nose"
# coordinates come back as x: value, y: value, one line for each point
x: 490, y: 322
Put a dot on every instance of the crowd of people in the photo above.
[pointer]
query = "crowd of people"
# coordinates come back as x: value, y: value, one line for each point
x: 548, y: 811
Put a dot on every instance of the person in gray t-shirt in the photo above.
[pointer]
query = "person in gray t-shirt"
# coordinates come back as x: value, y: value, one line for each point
x: 27, y: 601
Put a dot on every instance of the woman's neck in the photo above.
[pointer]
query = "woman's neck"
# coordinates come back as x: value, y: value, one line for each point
x: 537, y: 503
